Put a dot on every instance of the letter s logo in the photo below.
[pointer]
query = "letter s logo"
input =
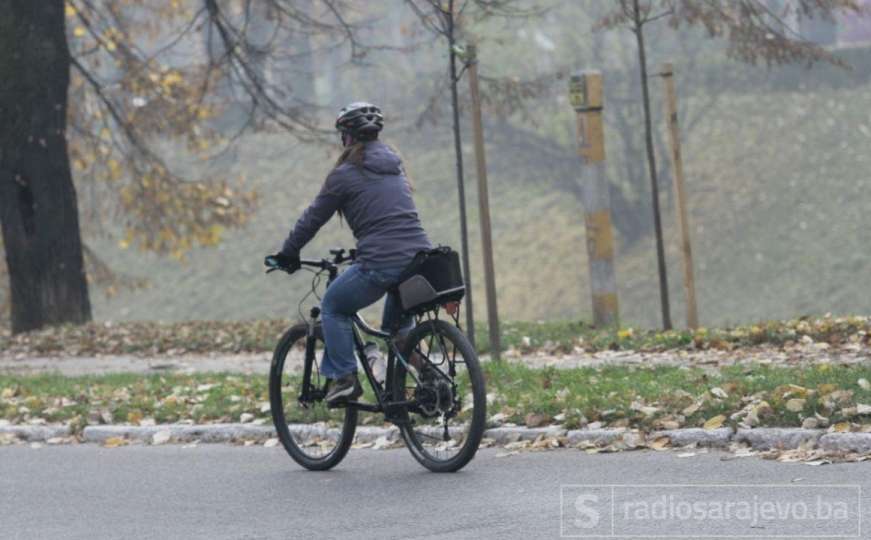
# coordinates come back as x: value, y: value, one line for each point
x: 589, y: 517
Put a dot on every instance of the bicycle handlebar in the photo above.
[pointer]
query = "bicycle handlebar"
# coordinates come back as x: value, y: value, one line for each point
x: 339, y: 257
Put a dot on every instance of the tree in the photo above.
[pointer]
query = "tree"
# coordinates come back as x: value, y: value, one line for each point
x: 38, y: 208
x: 132, y: 100
x: 443, y: 19
x: 755, y: 32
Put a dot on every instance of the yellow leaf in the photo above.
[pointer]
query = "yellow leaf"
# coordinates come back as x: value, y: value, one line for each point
x: 796, y: 390
x: 660, y: 443
x: 841, y: 427
x: 826, y: 388
x: 79, y: 31
x: 715, y: 422
x: 625, y: 333
x: 70, y: 11
x: 134, y: 417
x: 115, y: 442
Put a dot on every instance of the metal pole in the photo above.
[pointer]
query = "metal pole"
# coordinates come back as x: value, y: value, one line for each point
x: 667, y: 73
x: 585, y: 95
x: 461, y: 190
x: 484, y: 204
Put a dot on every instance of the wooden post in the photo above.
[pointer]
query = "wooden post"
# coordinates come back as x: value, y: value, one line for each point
x: 484, y: 204
x: 585, y: 95
x: 667, y: 73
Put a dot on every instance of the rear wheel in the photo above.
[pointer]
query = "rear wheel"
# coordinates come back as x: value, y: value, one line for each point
x: 315, y: 436
x: 444, y: 426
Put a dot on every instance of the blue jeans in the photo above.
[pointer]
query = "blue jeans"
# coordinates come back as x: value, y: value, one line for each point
x: 353, y: 290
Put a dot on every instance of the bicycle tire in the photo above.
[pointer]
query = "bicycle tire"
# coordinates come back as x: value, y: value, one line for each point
x: 476, y: 380
x: 277, y: 403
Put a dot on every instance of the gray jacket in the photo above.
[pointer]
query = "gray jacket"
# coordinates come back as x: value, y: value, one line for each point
x: 376, y: 201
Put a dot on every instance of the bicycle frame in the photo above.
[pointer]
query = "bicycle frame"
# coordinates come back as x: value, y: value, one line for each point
x: 310, y: 393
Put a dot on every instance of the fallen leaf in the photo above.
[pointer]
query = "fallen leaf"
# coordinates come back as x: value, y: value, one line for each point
x: 715, y: 422
x: 115, y: 442
x: 795, y: 405
x: 270, y: 443
x: 161, y: 437
x: 660, y: 443
x: 691, y: 409
x: 536, y: 420
x: 841, y: 427
x: 719, y: 392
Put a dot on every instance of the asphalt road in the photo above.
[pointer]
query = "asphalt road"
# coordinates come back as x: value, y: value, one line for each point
x: 220, y: 491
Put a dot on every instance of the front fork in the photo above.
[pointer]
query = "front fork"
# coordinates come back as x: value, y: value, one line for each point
x: 310, y: 392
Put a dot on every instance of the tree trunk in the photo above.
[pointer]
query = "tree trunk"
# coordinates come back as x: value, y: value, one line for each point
x: 461, y: 190
x: 38, y: 209
x: 651, y: 161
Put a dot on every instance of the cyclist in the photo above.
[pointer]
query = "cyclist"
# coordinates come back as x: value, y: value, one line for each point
x: 367, y: 187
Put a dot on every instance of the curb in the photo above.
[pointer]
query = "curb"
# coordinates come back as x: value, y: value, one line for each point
x: 757, y: 438
x: 217, y: 433
x: 778, y: 438
x: 35, y: 433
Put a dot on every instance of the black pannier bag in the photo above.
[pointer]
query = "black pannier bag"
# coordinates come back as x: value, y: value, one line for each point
x: 432, y: 279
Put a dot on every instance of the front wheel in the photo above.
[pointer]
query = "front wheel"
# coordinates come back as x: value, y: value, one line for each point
x: 444, y: 426
x: 315, y: 436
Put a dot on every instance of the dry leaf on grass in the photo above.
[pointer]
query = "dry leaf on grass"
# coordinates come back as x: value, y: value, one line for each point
x: 715, y: 422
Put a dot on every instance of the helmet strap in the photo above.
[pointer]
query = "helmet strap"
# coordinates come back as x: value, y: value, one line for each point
x: 347, y: 139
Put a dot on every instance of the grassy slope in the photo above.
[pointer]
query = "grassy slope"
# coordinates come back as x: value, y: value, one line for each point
x: 778, y: 199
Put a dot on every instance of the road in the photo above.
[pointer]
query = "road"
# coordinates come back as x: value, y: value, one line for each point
x: 221, y: 491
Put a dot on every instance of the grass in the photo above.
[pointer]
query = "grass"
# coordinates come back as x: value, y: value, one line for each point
x: 637, y: 397
x: 649, y: 398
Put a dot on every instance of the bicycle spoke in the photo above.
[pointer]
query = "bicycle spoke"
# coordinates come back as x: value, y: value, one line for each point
x: 440, y: 425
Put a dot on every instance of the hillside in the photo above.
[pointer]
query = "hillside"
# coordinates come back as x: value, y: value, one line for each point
x: 778, y: 197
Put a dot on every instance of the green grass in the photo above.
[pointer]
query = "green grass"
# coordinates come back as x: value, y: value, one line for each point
x: 618, y: 396
x: 615, y: 395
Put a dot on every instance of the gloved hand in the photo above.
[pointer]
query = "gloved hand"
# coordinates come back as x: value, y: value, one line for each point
x: 288, y: 263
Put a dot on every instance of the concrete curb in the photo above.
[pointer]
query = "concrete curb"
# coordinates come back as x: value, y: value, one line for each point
x: 35, y: 433
x: 778, y: 438
x: 758, y: 438
x: 710, y: 438
x: 846, y: 442
x: 212, y: 433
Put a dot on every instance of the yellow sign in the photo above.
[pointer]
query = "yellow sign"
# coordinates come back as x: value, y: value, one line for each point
x: 577, y: 91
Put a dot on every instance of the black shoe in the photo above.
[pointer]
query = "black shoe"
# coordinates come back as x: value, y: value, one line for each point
x: 346, y: 388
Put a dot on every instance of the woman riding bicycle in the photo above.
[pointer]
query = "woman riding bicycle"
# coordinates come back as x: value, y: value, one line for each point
x: 369, y: 189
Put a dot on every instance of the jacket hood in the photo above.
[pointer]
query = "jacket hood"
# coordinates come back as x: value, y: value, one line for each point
x: 380, y: 159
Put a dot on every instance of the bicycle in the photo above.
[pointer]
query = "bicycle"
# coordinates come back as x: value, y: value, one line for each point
x: 437, y: 400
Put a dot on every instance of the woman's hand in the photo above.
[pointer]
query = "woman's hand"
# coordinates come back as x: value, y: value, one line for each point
x: 282, y: 261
